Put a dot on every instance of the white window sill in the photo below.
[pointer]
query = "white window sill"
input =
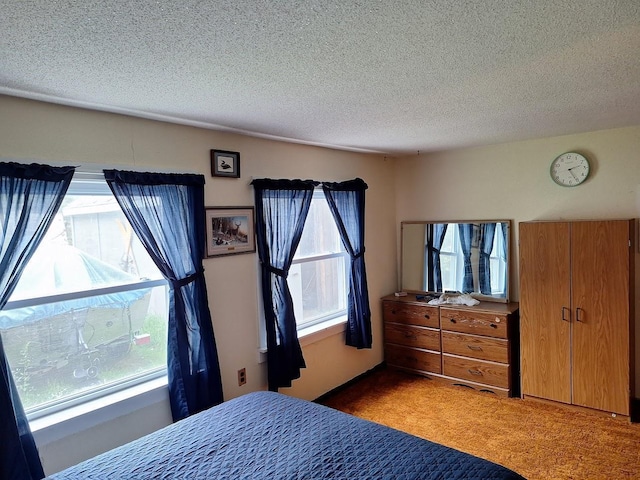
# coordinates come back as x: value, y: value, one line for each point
x: 323, y: 330
x: 81, y: 417
x: 313, y: 334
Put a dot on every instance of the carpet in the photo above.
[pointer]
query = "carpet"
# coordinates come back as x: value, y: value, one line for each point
x: 537, y: 440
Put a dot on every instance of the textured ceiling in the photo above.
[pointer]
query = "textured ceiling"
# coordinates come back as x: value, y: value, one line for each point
x: 385, y: 76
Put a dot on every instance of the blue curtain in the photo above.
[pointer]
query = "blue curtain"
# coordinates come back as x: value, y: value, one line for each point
x: 346, y: 202
x: 435, y: 239
x: 503, y: 254
x: 487, y: 232
x: 167, y: 213
x: 281, y: 210
x: 30, y: 196
x: 466, y: 234
x: 428, y: 283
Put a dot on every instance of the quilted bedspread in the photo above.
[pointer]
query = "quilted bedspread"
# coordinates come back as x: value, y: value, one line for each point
x: 266, y: 435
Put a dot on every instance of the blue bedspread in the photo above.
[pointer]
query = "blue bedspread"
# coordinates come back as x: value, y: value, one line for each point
x: 266, y: 435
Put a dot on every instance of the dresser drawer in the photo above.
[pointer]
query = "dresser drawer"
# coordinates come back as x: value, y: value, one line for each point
x: 412, y: 358
x: 488, y: 373
x: 419, y: 337
x: 400, y: 312
x: 483, y: 348
x: 475, y: 323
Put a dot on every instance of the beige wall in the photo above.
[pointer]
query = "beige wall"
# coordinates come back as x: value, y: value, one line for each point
x: 511, y: 181
x: 50, y: 133
x: 440, y: 186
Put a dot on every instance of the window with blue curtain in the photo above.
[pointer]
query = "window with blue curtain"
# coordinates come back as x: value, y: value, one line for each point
x: 30, y: 196
x: 319, y: 275
x: 487, y: 233
x: 93, y: 287
x: 167, y: 213
x: 282, y: 207
x: 466, y: 237
x: 281, y: 210
x: 347, y: 201
x: 504, y: 254
x: 435, y: 238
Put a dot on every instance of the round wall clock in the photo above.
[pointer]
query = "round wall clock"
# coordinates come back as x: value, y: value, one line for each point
x: 570, y: 169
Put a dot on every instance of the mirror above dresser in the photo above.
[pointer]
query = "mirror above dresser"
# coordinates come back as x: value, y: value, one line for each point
x: 466, y: 256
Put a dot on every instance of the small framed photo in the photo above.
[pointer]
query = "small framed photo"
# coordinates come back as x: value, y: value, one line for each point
x: 230, y: 230
x: 225, y: 164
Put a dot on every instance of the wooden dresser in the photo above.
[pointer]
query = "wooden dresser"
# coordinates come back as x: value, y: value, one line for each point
x: 473, y: 347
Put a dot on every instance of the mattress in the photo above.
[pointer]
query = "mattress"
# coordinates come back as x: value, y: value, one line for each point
x: 266, y: 435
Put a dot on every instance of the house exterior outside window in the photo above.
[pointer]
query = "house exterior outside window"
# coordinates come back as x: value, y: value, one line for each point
x: 318, y: 275
x: 89, y: 314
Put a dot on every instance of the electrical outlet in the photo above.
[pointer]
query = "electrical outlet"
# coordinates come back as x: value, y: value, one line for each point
x: 242, y: 376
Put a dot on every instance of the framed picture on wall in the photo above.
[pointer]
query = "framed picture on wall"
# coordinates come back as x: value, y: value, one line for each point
x: 225, y: 164
x: 230, y: 230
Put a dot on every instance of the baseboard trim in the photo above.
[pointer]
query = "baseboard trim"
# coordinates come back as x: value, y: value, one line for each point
x: 339, y: 388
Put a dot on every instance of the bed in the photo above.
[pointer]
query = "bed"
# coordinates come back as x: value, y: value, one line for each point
x: 266, y: 435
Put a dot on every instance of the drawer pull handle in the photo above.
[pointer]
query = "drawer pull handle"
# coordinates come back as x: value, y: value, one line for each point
x: 427, y: 317
x: 453, y: 320
x: 493, y: 325
x: 475, y: 372
x: 474, y: 348
x: 409, y: 335
x: 393, y: 312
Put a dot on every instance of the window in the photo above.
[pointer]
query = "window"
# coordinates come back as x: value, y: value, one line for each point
x: 318, y: 275
x: 89, y: 314
x: 498, y: 261
x: 452, y: 260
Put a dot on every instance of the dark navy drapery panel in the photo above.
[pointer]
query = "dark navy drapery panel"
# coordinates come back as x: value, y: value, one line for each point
x: 428, y: 283
x: 505, y: 250
x: 167, y: 213
x: 436, y: 236
x: 466, y: 234
x: 30, y: 196
x: 346, y: 202
x: 281, y: 210
x: 487, y: 233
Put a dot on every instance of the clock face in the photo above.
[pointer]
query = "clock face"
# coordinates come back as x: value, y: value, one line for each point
x: 570, y: 169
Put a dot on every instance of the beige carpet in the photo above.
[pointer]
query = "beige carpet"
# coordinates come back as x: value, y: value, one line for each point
x: 539, y: 441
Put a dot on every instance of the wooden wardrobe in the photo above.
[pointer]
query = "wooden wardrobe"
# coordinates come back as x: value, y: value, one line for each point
x: 577, y: 312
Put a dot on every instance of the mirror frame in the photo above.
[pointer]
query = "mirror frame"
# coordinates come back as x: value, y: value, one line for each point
x: 476, y: 295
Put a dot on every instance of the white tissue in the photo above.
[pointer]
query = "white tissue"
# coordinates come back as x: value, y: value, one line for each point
x: 463, y: 299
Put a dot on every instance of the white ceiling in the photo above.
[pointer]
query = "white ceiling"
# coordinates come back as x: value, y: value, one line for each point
x: 367, y: 75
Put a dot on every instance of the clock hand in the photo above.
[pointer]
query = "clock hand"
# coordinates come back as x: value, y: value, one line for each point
x: 570, y: 170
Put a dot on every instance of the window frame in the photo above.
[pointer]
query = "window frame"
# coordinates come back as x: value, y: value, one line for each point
x: 318, y: 320
x: 496, y: 257
x: 91, y: 182
x: 330, y: 319
x: 455, y: 257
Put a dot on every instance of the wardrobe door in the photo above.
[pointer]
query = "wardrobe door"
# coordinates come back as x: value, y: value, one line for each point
x: 545, y: 314
x: 601, y: 344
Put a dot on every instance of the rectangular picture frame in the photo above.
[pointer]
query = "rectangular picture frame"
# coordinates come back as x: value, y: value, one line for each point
x: 225, y: 164
x: 230, y: 231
